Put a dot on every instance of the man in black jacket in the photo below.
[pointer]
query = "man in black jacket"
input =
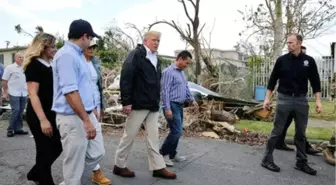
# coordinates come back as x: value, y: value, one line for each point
x: 293, y: 70
x: 281, y: 145
x: 140, y: 96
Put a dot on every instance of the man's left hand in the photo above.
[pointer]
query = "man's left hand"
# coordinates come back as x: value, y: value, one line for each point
x: 318, y: 106
x: 195, y: 104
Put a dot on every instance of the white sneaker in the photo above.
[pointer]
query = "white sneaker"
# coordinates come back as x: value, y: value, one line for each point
x: 62, y: 183
x: 168, y: 161
x: 179, y: 158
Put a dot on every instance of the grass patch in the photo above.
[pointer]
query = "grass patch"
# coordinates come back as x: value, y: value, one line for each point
x: 327, y: 114
x: 319, y: 133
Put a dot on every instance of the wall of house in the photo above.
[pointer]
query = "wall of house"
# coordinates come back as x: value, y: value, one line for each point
x: 226, y: 54
x: 7, y: 57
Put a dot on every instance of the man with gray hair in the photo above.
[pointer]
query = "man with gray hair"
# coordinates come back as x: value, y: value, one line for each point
x: 15, y: 90
x: 140, y: 95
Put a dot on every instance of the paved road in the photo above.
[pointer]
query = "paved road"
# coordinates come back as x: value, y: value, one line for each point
x: 209, y: 162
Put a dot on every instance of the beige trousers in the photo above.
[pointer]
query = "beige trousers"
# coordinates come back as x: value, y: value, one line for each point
x: 80, y: 154
x: 132, y: 126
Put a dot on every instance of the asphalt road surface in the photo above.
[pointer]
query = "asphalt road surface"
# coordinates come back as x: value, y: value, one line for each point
x: 210, y: 162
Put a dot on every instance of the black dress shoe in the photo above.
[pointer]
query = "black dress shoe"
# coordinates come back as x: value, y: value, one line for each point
x: 312, y: 151
x: 10, y: 134
x: 285, y: 148
x: 270, y: 166
x: 305, y: 168
x: 21, y: 132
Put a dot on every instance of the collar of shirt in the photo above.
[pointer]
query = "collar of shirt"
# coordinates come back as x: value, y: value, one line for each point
x: 16, y: 65
x: 175, y: 67
x: 44, y: 62
x: 293, y: 56
x: 74, y: 46
x: 149, y: 52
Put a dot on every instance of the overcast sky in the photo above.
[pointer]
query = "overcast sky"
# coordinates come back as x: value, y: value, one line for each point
x: 55, y: 16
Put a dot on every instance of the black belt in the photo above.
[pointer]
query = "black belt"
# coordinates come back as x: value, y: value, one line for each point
x: 180, y: 103
x: 295, y: 94
x: 89, y: 112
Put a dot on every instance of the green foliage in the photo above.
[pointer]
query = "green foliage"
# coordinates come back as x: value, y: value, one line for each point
x: 164, y: 62
x: 254, y: 61
x: 108, y: 56
x: 59, y: 43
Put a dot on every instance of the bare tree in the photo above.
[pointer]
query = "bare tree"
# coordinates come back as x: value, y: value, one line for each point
x: 191, y: 34
x: 275, y: 19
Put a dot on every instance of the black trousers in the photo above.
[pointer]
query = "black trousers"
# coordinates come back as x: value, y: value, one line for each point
x: 48, y: 149
x: 299, y: 108
x: 282, y: 137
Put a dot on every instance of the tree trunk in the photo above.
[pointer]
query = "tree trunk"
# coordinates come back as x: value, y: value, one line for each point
x: 278, y: 38
x: 197, y: 50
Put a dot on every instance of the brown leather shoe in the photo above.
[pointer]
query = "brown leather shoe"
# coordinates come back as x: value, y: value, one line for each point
x: 123, y: 172
x: 164, y: 173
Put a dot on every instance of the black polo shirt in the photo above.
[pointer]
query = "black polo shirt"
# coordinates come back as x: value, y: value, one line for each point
x: 293, y: 73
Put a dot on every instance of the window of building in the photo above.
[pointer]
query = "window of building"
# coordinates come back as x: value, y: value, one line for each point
x: 2, y: 59
x: 13, y: 57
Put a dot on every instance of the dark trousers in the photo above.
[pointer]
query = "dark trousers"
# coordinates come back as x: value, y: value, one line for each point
x: 18, y: 104
x: 299, y: 108
x: 48, y: 149
x: 282, y: 137
x: 176, y: 127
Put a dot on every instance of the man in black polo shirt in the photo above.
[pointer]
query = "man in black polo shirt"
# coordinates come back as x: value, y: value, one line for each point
x: 281, y: 145
x: 293, y: 70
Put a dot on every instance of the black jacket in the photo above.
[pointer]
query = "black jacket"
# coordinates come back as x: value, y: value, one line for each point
x: 139, y: 81
x: 293, y: 73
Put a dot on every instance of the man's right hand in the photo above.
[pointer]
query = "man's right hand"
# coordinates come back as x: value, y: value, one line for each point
x: 266, y: 105
x: 90, y: 130
x: 169, y: 114
x: 5, y: 96
x: 127, y: 109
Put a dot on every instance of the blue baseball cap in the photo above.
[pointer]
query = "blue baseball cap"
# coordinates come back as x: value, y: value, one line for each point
x: 80, y: 27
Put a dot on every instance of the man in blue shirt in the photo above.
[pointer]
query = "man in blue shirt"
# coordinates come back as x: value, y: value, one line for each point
x: 174, y: 93
x: 73, y: 103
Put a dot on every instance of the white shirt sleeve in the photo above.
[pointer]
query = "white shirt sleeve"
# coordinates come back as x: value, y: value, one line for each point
x: 7, y: 73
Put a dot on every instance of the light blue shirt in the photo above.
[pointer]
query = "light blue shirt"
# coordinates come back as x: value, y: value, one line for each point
x: 94, y: 79
x: 71, y: 73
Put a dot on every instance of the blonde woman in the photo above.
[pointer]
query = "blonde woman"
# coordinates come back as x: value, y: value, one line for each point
x: 40, y: 118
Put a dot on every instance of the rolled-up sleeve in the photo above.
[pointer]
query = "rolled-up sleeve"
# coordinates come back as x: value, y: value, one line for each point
x: 67, y: 73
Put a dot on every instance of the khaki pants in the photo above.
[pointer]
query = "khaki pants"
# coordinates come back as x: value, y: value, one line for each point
x: 80, y: 154
x: 132, y: 126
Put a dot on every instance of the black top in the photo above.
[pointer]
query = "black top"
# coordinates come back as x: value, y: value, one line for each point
x: 38, y: 72
x: 293, y: 73
x: 140, y: 81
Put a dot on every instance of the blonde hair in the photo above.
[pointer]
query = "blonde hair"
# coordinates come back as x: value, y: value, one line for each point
x: 35, y: 50
x: 152, y: 33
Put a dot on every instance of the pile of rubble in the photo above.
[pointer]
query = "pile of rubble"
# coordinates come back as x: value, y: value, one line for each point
x: 215, y: 117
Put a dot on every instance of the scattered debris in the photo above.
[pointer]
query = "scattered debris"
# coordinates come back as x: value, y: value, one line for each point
x: 215, y: 117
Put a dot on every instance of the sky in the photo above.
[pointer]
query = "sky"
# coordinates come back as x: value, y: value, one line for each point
x: 221, y: 17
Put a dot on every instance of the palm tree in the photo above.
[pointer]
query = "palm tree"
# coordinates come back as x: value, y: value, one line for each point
x: 7, y: 43
x: 39, y: 29
x: 20, y: 30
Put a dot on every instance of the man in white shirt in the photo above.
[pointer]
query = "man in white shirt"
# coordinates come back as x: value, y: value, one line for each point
x: 15, y: 90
